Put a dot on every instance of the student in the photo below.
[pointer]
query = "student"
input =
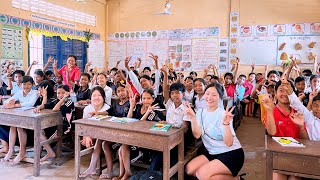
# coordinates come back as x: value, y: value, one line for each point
x: 38, y: 78
x: 121, y: 108
x: 314, y: 83
x: 188, y: 83
x: 102, y: 82
x: 240, y: 89
x: 300, y: 85
x: 16, y: 85
x: 146, y: 71
x: 49, y: 75
x: 193, y: 74
x: 83, y: 91
x: 26, y: 98
x: 58, y: 81
x: 198, y: 100
x: 95, y: 108
x: 224, y: 155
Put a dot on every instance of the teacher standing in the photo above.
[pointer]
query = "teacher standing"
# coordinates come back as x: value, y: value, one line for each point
x: 69, y: 72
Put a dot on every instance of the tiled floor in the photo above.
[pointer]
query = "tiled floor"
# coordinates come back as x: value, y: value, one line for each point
x: 250, y: 134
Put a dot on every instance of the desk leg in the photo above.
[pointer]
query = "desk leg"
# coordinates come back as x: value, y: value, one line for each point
x: 269, y: 168
x: 77, y: 155
x: 181, y: 159
x: 166, y: 163
x: 37, y: 147
x: 59, y: 142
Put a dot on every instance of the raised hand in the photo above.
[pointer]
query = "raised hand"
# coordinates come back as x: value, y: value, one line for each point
x: 164, y: 69
x: 267, y: 102
x: 50, y: 60
x: 189, y: 111
x: 34, y: 63
x: 297, y: 118
x: 89, y: 63
x: 133, y: 101
x: 313, y: 94
x: 286, y: 85
x: 126, y: 63
x: 228, y: 116
x: 55, y: 64
x: 155, y: 58
x: 151, y: 108
x: 253, y: 66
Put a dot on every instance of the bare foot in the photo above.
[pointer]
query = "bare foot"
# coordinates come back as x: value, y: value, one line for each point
x: 18, y: 158
x: 126, y: 176
x: 87, y: 173
x: 48, y: 156
x: 7, y: 157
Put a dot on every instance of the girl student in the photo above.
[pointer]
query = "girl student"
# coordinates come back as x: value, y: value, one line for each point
x: 198, y: 99
x: 82, y: 90
x: 24, y: 98
x: 146, y: 111
x: 64, y: 104
x: 224, y: 155
x: 97, y: 107
x: 102, y: 82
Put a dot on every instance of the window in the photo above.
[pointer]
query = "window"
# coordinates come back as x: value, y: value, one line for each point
x: 36, y: 51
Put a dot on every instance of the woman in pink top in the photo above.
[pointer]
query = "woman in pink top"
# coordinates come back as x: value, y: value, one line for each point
x: 69, y: 72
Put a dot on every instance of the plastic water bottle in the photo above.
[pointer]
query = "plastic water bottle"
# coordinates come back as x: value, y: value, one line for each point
x: 73, y: 96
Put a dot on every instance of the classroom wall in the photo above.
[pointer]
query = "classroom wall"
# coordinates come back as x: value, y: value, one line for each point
x: 94, y: 7
x: 128, y: 15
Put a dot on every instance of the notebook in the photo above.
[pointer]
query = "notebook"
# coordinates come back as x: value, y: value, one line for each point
x: 160, y: 127
x: 288, y: 142
x: 99, y: 117
x: 122, y: 120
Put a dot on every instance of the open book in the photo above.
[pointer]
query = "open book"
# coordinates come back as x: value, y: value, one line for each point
x: 160, y: 127
x: 99, y: 117
x: 288, y: 142
x: 122, y: 120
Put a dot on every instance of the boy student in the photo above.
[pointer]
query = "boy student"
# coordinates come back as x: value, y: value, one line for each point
x: 26, y: 98
x: 16, y: 85
x: 145, y: 80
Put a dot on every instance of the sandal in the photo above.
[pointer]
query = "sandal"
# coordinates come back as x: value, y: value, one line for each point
x: 241, y: 176
x: 106, y: 176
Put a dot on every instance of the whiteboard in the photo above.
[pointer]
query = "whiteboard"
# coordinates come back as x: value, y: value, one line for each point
x: 97, y: 53
x: 116, y: 52
x: 204, y: 53
x: 135, y: 50
x: 299, y: 54
x: 258, y: 50
x: 159, y: 48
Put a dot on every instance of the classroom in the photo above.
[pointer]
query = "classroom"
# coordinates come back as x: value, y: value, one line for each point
x: 160, y: 89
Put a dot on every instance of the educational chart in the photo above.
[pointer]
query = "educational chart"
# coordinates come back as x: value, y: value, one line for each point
x: 175, y: 45
x: 14, y: 64
x: 204, y: 53
x: 12, y: 42
x: 180, y: 54
x: 223, y: 64
x: 96, y: 53
x: 303, y: 48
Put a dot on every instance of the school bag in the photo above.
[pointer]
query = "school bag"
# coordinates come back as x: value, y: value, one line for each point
x: 147, y: 175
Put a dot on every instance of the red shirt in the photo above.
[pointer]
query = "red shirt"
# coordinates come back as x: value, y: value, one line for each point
x: 285, y: 127
x: 248, y: 86
x: 230, y: 88
x: 74, y: 74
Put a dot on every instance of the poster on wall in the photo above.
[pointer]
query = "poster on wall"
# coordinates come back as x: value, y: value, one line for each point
x: 12, y: 42
x: 279, y: 29
x: 137, y: 50
x: 204, y: 53
x: 262, y: 30
x: 315, y: 28
x: 96, y: 53
x: 159, y: 48
x: 223, y: 62
x: 180, y: 54
x: 297, y: 29
x: 116, y: 52
x: 245, y: 31
x: 233, y: 45
x: 11, y: 63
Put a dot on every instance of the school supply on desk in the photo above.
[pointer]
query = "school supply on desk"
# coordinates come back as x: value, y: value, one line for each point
x: 160, y: 127
x: 122, y: 120
x: 288, y: 142
x: 99, y: 117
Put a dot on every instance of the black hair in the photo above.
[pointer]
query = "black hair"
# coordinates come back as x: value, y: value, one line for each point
x: 101, y: 91
x: 280, y: 73
x: 114, y: 69
x: 189, y: 77
x: 136, y: 73
x: 26, y: 79
x: 278, y: 84
x: 39, y: 73
x: 48, y: 85
x: 242, y: 75
x: 145, y: 77
x: 149, y: 91
x: 308, y: 72
x: 253, y: 73
x: 299, y: 79
x: 193, y: 72
x: 75, y: 57
x: 313, y: 76
x: 65, y: 87
x: 18, y: 72
x: 219, y: 88
x: 201, y: 80
x: 123, y: 71
x: 215, y: 77
x: 316, y: 98
x: 147, y: 68
x: 177, y: 87
x: 86, y: 74
x: 49, y: 72
x: 273, y: 72
x: 228, y: 74
x: 259, y: 74
x: 210, y: 76
x: 119, y: 85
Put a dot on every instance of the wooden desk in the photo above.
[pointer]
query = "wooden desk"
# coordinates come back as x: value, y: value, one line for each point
x: 34, y: 121
x: 136, y: 134
x: 302, y: 162
x: 79, y: 111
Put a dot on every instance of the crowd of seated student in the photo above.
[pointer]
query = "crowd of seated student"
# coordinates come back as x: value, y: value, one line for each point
x: 189, y: 100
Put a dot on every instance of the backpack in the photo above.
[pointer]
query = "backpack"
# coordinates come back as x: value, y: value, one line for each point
x: 147, y: 175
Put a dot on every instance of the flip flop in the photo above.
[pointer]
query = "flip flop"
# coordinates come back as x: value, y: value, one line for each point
x: 106, y: 176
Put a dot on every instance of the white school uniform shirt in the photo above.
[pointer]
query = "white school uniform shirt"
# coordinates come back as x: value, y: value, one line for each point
x: 312, y: 122
x: 16, y: 87
x: 88, y: 109
x: 200, y: 103
x: 136, y: 83
x: 25, y: 101
x: 189, y: 95
x: 176, y: 115
x: 212, y: 131
x: 108, y: 92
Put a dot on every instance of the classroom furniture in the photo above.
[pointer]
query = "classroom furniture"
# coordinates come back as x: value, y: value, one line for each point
x: 27, y: 119
x: 296, y: 161
x: 135, y: 134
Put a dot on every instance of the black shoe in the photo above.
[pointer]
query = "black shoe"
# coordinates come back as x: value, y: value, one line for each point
x: 241, y: 176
